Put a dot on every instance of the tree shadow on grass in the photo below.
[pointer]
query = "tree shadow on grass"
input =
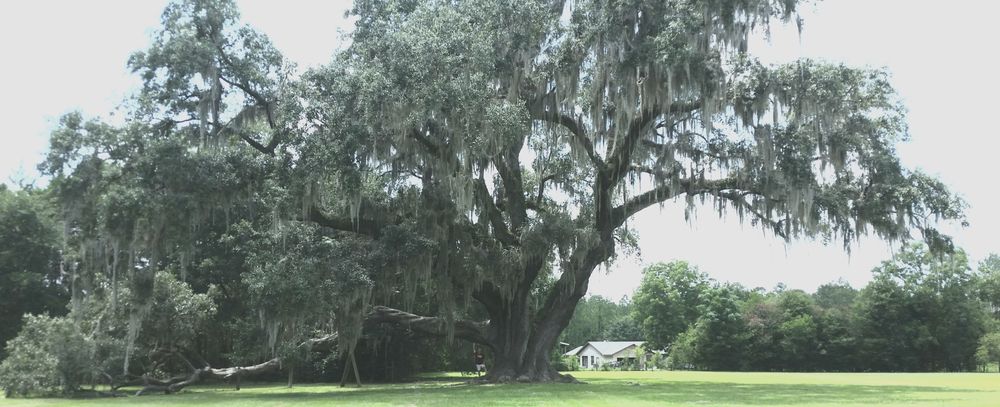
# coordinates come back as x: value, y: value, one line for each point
x: 617, y: 392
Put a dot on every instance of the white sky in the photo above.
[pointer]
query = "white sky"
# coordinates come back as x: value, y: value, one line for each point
x: 60, y: 56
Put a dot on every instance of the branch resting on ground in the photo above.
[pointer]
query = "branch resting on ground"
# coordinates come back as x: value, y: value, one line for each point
x: 175, y: 384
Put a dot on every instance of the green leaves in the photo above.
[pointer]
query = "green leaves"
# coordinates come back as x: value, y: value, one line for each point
x: 918, y: 314
x: 30, y: 278
x: 667, y: 301
x: 50, y: 355
x: 461, y: 149
x: 203, y: 73
x: 989, y: 349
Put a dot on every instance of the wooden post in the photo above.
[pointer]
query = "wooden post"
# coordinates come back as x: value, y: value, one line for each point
x: 357, y: 377
x: 347, y: 369
x: 343, y: 378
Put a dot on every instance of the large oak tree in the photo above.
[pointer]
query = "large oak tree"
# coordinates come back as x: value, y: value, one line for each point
x: 486, y: 153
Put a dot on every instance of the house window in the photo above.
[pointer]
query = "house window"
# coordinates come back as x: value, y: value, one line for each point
x: 583, y: 361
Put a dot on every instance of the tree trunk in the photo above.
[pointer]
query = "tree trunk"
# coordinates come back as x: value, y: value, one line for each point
x: 519, y: 348
x: 521, y: 341
x: 522, y: 351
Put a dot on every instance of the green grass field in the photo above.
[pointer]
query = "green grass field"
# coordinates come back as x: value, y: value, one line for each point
x: 607, y: 389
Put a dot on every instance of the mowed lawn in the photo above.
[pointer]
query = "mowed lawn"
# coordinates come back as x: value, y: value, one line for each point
x: 606, y: 389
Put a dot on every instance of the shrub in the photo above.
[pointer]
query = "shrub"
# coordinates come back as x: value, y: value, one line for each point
x: 656, y: 362
x: 569, y: 363
x: 683, y: 352
x: 49, y: 355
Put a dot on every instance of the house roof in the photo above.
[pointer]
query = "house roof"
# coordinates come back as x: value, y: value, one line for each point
x: 606, y: 348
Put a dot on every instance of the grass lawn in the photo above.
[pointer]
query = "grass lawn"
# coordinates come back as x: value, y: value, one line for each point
x: 607, y: 389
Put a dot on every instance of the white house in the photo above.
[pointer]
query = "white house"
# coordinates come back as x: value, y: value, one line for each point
x: 593, y: 354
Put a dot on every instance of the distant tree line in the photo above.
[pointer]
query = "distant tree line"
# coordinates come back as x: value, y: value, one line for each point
x: 920, y: 312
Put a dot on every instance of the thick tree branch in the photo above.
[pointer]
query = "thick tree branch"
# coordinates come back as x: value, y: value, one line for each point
x: 259, y: 98
x: 621, y: 157
x: 508, y: 166
x: 468, y: 330
x: 541, y: 188
x: 500, y: 230
x: 642, y: 201
x: 175, y: 384
x: 488, y: 295
x: 276, y: 134
x: 655, y: 172
x: 739, y: 199
x: 268, y: 149
x: 431, y: 146
x: 560, y: 301
x: 362, y: 225
x: 544, y: 109
x: 664, y: 192
x: 727, y: 188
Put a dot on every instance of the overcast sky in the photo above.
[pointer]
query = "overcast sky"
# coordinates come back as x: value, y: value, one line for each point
x: 61, y: 56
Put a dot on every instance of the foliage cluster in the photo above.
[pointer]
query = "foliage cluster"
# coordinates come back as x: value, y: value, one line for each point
x: 96, y: 342
x: 30, y: 278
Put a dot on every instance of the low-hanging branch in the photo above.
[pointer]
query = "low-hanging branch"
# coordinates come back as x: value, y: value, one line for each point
x: 463, y: 329
x: 361, y: 225
x: 176, y: 384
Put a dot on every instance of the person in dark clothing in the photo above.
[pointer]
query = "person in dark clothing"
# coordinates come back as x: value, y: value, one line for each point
x: 480, y: 362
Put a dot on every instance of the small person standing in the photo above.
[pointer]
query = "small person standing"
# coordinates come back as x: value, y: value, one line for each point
x: 480, y: 362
